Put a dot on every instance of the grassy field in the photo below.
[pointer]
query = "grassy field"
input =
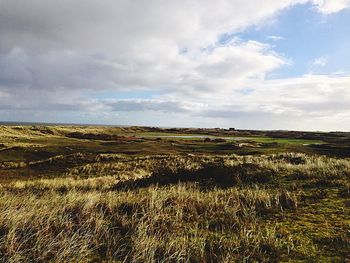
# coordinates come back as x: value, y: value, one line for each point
x: 106, y: 194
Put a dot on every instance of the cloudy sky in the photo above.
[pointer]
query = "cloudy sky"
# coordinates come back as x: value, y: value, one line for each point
x: 273, y: 64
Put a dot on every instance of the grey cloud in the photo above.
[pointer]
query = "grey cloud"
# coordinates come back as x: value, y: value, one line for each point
x: 149, y: 105
x: 53, y: 44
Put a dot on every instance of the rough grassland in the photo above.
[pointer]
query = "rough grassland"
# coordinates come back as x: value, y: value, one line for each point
x: 104, y: 206
x: 182, y: 209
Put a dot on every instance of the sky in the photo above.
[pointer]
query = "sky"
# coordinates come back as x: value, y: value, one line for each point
x: 248, y: 64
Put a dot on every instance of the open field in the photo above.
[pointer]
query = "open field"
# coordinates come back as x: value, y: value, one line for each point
x: 138, y: 194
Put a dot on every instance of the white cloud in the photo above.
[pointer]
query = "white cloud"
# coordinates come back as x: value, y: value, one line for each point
x: 331, y: 6
x: 321, y: 61
x: 276, y: 38
x: 311, y: 101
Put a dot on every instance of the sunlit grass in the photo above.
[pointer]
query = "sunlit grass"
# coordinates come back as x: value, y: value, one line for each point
x: 89, y: 200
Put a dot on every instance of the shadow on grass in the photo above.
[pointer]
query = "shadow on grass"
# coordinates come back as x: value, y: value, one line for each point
x: 213, y: 175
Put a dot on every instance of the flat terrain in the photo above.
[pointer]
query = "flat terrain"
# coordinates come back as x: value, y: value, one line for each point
x: 141, y: 194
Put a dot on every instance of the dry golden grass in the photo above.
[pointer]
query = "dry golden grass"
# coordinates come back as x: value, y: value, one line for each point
x: 181, y: 208
x: 172, y: 224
